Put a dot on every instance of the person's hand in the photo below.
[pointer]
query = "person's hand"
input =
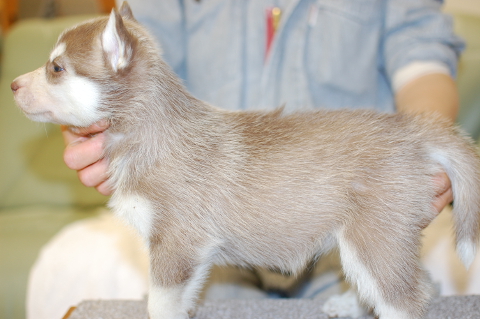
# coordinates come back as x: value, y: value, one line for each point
x: 444, y: 193
x: 432, y: 93
x: 84, y: 153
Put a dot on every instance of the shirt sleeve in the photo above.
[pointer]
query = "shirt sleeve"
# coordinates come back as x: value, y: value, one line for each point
x: 418, y: 39
x: 416, y: 69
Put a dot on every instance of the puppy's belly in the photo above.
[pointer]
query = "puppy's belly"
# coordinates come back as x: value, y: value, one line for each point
x: 274, y: 251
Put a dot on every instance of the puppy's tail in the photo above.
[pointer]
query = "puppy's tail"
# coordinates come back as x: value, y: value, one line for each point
x: 459, y: 158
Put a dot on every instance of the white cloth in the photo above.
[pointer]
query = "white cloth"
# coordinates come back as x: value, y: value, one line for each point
x: 97, y: 258
x: 442, y: 262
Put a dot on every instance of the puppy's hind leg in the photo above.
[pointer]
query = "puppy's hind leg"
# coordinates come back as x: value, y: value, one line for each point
x: 385, y: 270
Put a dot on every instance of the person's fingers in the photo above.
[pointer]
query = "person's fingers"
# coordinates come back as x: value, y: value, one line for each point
x: 443, y: 200
x: 444, y: 193
x: 105, y: 188
x: 84, y: 152
x: 95, y: 174
x: 442, y: 182
x: 75, y: 134
x: 95, y: 128
x: 69, y: 137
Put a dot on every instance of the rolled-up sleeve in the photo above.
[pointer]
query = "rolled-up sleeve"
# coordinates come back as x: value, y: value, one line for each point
x: 417, y: 31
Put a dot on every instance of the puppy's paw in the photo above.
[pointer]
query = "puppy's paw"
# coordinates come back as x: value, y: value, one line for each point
x: 192, y: 313
x: 345, y: 305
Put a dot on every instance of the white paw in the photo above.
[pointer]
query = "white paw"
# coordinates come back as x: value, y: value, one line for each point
x: 345, y: 305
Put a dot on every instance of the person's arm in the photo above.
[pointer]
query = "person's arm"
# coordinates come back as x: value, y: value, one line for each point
x: 435, y: 93
x: 429, y: 93
x: 419, y: 39
x: 84, y: 153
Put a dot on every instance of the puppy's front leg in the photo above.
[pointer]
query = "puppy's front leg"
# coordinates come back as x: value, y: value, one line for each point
x: 166, y: 302
x: 175, y: 280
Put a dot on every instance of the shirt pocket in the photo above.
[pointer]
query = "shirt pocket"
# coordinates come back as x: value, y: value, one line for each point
x: 360, y: 11
x: 342, y: 47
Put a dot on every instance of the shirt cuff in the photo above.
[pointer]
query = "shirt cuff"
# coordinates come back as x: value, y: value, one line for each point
x: 416, y: 69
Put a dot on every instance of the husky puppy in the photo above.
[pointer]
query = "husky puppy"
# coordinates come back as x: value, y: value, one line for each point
x: 208, y: 186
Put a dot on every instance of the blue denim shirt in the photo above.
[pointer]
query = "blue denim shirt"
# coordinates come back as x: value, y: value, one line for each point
x: 326, y: 53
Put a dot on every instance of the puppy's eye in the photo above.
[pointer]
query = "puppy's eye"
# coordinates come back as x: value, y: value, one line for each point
x: 57, y: 68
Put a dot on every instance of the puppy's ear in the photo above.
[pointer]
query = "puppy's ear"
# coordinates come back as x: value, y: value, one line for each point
x: 117, y: 42
x: 125, y: 11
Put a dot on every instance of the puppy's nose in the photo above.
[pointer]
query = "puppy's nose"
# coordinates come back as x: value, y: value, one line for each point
x: 14, y: 86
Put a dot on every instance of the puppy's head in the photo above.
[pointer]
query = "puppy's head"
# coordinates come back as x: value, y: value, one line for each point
x: 86, y: 72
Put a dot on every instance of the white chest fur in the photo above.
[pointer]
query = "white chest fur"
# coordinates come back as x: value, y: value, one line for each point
x: 135, y: 210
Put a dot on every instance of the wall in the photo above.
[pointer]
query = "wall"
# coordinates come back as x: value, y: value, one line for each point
x: 471, y: 7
